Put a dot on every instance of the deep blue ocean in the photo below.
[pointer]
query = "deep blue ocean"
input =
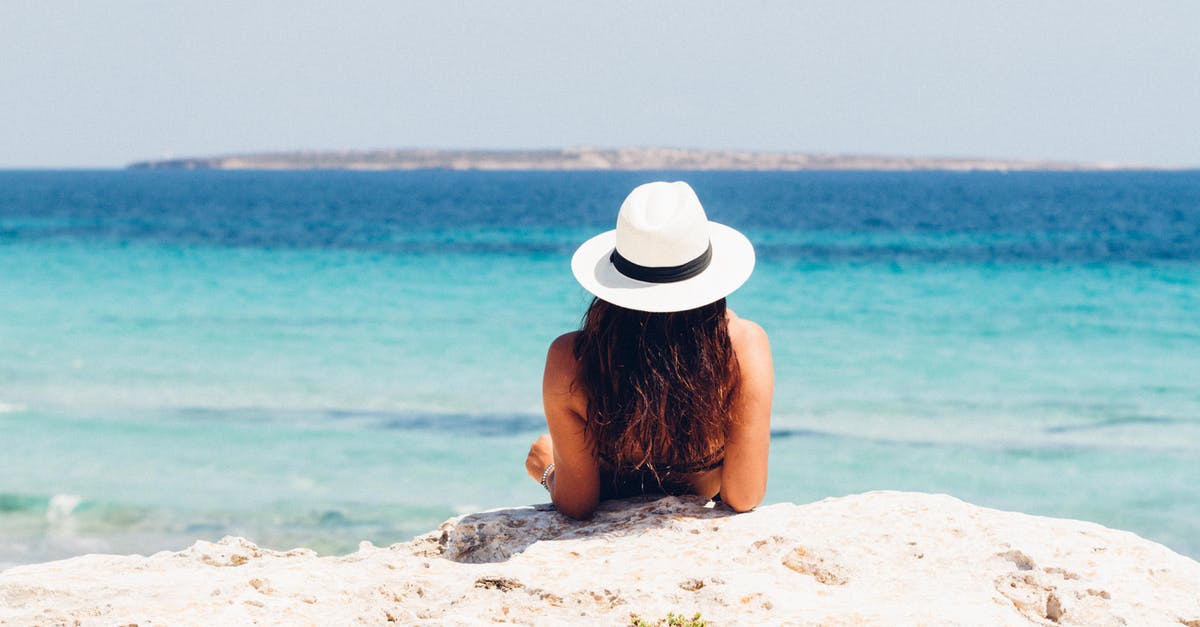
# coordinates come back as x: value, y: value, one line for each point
x: 320, y: 358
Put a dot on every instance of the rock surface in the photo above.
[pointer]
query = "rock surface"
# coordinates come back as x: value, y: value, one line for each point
x: 875, y: 558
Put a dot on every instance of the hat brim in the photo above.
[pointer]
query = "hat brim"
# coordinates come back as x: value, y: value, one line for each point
x: 732, y: 262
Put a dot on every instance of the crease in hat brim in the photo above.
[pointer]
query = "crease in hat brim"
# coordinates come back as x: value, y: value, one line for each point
x: 732, y: 262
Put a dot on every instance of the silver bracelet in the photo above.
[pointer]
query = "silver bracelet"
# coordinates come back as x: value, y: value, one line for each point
x: 545, y: 476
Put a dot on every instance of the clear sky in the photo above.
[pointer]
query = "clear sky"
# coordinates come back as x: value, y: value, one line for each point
x: 105, y: 83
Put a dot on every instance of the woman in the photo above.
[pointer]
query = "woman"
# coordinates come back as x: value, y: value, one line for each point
x: 664, y: 389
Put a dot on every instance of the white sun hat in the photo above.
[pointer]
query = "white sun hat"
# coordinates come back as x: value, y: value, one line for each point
x: 664, y: 254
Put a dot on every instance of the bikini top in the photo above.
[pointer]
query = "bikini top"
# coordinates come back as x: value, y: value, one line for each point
x: 712, y: 462
x: 664, y: 479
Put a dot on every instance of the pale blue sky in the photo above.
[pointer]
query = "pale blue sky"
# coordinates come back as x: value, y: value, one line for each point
x: 105, y: 83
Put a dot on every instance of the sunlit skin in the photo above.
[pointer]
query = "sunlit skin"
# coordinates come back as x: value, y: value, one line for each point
x: 576, y: 478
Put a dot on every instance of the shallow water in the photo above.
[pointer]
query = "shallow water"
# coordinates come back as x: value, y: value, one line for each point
x: 321, y: 358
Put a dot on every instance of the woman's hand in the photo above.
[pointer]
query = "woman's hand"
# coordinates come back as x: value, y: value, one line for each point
x: 541, y: 454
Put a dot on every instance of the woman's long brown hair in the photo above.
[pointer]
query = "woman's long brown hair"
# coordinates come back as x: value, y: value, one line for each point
x: 659, y: 386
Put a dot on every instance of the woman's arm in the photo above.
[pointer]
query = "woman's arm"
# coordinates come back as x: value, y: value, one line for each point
x: 575, y: 481
x: 747, y: 444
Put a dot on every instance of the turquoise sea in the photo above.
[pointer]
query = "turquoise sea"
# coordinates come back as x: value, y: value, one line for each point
x: 320, y: 358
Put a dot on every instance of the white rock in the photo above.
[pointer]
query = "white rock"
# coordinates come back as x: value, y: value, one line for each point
x: 877, y: 558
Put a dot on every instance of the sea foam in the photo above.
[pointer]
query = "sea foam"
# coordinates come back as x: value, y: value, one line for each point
x: 61, y: 506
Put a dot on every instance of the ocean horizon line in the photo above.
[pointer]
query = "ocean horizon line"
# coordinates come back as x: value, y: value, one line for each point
x: 629, y: 159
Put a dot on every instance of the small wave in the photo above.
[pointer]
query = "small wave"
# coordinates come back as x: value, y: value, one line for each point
x: 1116, y: 422
x: 57, y: 508
x: 9, y: 408
x: 10, y: 503
x: 488, y: 424
x: 778, y: 434
x: 475, y: 424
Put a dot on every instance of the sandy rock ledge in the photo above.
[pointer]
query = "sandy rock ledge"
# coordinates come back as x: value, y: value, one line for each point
x: 875, y: 558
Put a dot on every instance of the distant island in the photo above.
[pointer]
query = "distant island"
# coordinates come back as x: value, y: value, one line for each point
x: 599, y: 159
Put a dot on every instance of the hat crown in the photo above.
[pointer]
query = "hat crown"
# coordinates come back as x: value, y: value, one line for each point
x: 662, y: 225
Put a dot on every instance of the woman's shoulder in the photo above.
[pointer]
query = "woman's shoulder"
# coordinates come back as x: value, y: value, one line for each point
x: 563, y: 346
x: 562, y: 370
x: 753, y: 350
x: 746, y: 333
x: 560, y: 358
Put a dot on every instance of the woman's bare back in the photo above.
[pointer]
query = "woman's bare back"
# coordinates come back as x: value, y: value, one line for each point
x: 575, y: 484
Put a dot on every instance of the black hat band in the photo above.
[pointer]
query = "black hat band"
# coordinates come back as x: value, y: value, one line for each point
x: 661, y: 274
